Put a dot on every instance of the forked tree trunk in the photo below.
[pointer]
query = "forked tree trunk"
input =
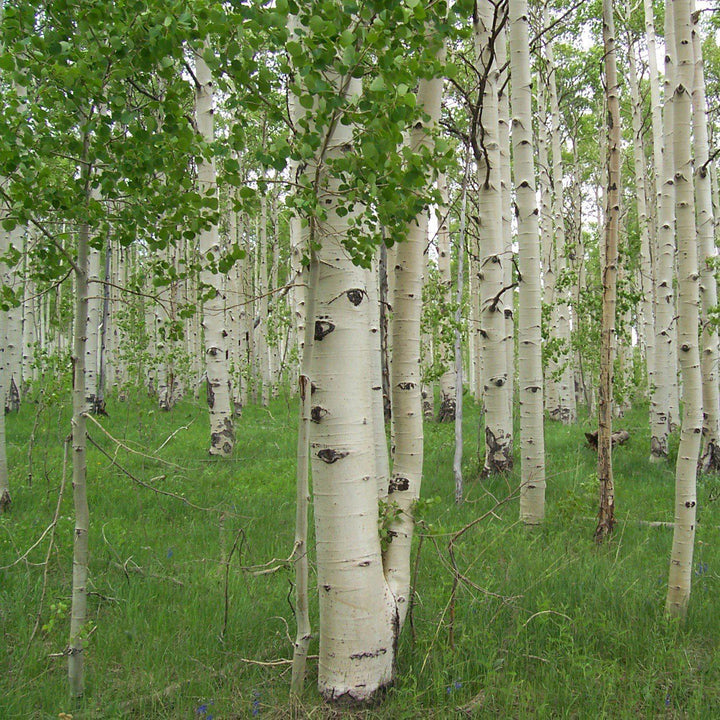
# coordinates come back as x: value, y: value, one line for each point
x: 606, y: 512
x: 680, y: 576
x: 710, y: 357
x: 530, y: 374
x: 222, y: 435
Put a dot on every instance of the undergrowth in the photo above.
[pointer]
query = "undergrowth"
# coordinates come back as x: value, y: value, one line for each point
x: 544, y: 625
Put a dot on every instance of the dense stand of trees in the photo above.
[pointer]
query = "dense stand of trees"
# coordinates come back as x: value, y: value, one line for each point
x: 237, y: 197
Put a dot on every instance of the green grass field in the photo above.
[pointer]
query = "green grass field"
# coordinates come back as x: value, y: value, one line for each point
x: 548, y: 626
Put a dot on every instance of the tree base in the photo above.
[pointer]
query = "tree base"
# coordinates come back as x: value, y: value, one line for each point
x: 709, y: 463
x: 447, y: 410
x: 619, y: 437
x: 5, y: 502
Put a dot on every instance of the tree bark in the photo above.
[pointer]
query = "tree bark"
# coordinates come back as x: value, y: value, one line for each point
x: 680, y: 575
x: 530, y: 374
x: 606, y: 512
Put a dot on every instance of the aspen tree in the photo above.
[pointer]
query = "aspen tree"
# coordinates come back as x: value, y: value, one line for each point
x: 12, y: 337
x: 78, y: 607
x: 606, y: 512
x: 222, y: 436
x: 92, y: 344
x: 565, y: 410
x: 4, y: 478
x: 681, y: 559
x: 498, y: 424
x: 665, y: 327
x: 447, y: 379
x: 710, y: 355
x: 530, y: 374
x: 647, y: 325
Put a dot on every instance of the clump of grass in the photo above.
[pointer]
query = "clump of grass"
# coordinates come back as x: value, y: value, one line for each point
x: 545, y: 624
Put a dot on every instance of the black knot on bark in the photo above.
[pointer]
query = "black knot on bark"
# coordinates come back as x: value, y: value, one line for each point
x: 355, y: 296
x: 398, y: 483
x: 690, y: 504
x: 317, y: 413
x: 329, y: 456
x: 323, y: 328
x: 406, y: 385
x: 685, y: 347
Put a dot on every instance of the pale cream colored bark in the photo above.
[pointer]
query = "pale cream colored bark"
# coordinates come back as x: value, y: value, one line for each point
x: 530, y: 374
x: 13, y: 327
x: 222, y: 435
x: 647, y: 324
x: 92, y: 344
x: 4, y: 477
x: 507, y: 234
x: 357, y: 610
x: 680, y: 576
x: 498, y: 423
x: 609, y: 269
x: 665, y: 327
x: 565, y: 410
x: 447, y: 379
x: 551, y: 397
x: 404, y: 487
x: 707, y: 254
x: 261, y: 331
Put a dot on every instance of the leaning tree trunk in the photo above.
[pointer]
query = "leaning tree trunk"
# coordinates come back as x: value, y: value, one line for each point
x: 498, y: 423
x: 222, y: 436
x: 606, y: 513
x: 710, y: 358
x: 680, y: 575
x: 530, y: 374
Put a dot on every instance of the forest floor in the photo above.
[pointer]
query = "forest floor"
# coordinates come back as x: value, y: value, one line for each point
x: 544, y: 625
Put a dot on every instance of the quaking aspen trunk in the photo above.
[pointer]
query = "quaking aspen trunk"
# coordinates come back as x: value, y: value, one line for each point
x: 78, y: 608
x: 447, y: 379
x: 13, y: 335
x: 565, y: 410
x: 680, y: 576
x: 222, y: 435
x: 710, y: 357
x: 498, y: 423
x: 665, y: 327
x: 606, y: 512
x: 530, y: 373
x: 404, y: 486
x: 647, y: 324
x: 4, y: 478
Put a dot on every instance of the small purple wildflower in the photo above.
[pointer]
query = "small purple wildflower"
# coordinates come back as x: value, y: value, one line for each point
x: 455, y: 686
x: 667, y: 701
x: 256, y: 702
x: 702, y: 568
x: 169, y: 553
x: 202, y: 709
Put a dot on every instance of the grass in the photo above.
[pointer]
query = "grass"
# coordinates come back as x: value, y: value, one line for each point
x: 551, y: 627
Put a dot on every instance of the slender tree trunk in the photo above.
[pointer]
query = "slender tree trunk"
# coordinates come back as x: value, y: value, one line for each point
x: 565, y: 410
x: 222, y: 435
x: 530, y: 374
x: 647, y: 324
x: 680, y: 576
x: 4, y: 477
x: 498, y: 424
x: 710, y: 357
x: 78, y: 609
x: 665, y: 328
x: 606, y: 513
x: 447, y: 379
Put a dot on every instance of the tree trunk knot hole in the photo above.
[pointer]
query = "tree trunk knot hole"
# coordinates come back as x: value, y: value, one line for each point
x: 329, y: 456
x: 323, y: 328
x: 398, y: 483
x: 317, y: 413
x: 690, y: 504
x: 355, y: 296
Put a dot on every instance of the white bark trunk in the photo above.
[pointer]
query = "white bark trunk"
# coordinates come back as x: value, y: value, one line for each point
x: 498, y: 424
x: 447, y: 379
x: 680, y: 576
x: 707, y: 255
x: 530, y: 374
x: 222, y: 436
